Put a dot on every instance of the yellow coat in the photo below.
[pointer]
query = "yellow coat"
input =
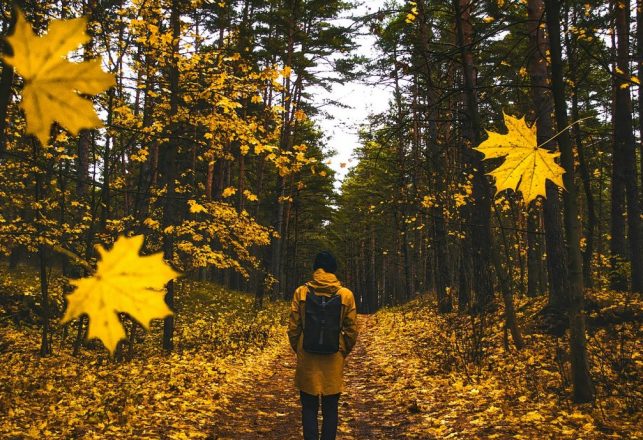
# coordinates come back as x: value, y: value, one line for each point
x: 322, y: 374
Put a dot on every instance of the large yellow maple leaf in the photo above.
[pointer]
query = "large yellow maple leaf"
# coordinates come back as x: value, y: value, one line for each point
x: 526, y: 167
x: 52, y: 83
x: 123, y: 282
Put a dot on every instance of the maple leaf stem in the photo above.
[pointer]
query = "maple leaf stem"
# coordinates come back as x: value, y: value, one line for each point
x: 79, y: 260
x: 563, y: 131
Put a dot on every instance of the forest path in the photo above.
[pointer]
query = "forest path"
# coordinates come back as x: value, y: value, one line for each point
x: 265, y: 404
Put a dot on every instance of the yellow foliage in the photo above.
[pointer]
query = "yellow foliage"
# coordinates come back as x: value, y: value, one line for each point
x: 428, y: 201
x: 221, y: 341
x: 300, y: 115
x: 250, y: 196
x: 412, y: 15
x: 527, y: 166
x: 195, y: 207
x: 418, y: 358
x: 229, y: 191
x: 151, y: 223
x: 53, y: 84
x: 124, y: 282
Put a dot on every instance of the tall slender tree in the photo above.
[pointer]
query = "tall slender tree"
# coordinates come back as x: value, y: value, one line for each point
x: 581, y: 380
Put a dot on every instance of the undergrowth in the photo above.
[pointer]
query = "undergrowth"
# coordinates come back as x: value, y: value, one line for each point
x: 458, y: 379
x: 143, y: 392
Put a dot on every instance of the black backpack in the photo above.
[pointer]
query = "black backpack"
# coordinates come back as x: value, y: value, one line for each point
x: 322, y: 325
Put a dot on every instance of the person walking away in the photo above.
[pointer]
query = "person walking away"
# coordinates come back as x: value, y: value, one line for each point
x: 322, y: 331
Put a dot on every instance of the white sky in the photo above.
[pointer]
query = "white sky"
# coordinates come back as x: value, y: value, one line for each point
x: 341, y: 131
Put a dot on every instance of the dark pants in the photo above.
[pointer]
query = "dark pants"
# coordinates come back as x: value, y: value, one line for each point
x: 309, y: 410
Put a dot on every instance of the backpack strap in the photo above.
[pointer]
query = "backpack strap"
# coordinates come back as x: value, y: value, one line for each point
x: 311, y: 290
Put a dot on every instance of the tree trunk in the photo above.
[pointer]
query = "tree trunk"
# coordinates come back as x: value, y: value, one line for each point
x: 639, y: 57
x: 45, y: 347
x: 507, y: 288
x: 170, y: 153
x: 440, y: 266
x: 534, y: 252
x: 6, y: 82
x: 625, y: 143
x: 105, y: 194
x: 85, y: 137
x: 371, y: 299
x: 617, y: 243
x: 592, y: 221
x: 480, y: 221
x: 554, y: 238
x: 581, y: 380
x: 441, y: 261
x: 276, y: 247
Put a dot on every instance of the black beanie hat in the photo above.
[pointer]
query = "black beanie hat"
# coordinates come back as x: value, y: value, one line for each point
x: 325, y: 260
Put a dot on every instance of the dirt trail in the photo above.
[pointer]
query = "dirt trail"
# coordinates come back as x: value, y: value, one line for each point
x: 364, y: 414
x: 266, y: 404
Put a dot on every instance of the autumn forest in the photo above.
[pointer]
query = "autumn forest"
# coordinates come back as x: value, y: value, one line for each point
x: 166, y: 182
